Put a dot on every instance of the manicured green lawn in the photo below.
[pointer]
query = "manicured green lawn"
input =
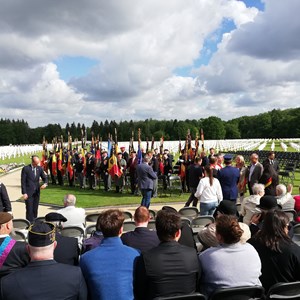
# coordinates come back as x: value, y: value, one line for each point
x: 19, y: 160
x: 99, y: 198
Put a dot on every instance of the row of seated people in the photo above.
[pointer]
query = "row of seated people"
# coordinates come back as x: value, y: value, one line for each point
x: 145, y: 264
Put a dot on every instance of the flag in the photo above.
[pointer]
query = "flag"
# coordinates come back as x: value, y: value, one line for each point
x: 179, y: 147
x: 70, y: 167
x: 59, y: 162
x: 109, y: 147
x: 113, y: 167
x: 139, y: 155
x: 54, y: 172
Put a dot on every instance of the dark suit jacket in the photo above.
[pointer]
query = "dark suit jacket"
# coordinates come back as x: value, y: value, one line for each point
x: 17, y: 258
x: 5, y: 204
x: 30, y: 183
x: 141, y: 238
x: 145, y: 176
x: 229, y: 178
x: 44, y: 280
x: 67, y: 250
x: 166, y: 270
x: 256, y: 174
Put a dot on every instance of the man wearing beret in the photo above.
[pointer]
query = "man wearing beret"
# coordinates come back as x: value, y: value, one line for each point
x: 13, y: 254
x: 44, y: 278
x: 30, y: 184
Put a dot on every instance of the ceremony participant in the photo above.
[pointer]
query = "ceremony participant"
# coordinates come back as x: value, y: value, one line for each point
x: 229, y: 177
x: 104, y: 171
x: 79, y: 168
x: 212, y: 152
x: 170, y: 268
x: 209, y: 192
x: 284, y: 197
x: 44, y: 278
x: 5, y: 204
x: 90, y: 169
x: 240, y: 164
x: 280, y: 256
x: 13, y: 254
x: 145, y: 177
x: 254, y: 171
x: 120, y: 180
x: 155, y: 166
x: 30, y: 186
x: 249, y: 205
x: 125, y: 154
x: 67, y: 250
x: 141, y: 238
x: 272, y: 161
x: 231, y: 264
x: 195, y: 174
x: 109, y: 268
x: 131, y: 166
x: 269, y: 179
x: 75, y: 215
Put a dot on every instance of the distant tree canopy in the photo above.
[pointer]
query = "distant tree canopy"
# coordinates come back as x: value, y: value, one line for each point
x: 273, y: 124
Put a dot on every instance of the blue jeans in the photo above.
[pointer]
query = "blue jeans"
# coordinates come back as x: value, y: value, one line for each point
x: 146, y: 193
x: 207, y: 208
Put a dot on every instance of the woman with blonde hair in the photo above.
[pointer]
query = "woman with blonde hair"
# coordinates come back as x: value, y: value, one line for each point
x: 240, y: 164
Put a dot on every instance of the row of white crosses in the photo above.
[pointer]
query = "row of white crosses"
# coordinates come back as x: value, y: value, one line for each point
x: 13, y: 151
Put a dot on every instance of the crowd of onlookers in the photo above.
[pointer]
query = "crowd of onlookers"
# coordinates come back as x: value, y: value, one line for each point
x: 248, y: 242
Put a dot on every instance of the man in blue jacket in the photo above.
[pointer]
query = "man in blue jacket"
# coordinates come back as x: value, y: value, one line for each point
x: 229, y: 177
x: 145, y: 177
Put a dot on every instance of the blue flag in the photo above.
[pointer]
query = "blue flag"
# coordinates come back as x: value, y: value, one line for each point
x: 109, y: 147
x: 139, y: 155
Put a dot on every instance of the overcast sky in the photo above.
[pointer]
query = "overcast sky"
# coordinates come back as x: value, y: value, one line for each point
x: 74, y: 60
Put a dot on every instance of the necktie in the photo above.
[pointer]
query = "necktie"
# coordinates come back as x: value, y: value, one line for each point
x: 34, y: 171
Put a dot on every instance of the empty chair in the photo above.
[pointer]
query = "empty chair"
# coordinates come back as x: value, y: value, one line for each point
x: 189, y: 212
x: 151, y: 225
x: 296, y: 229
x: 128, y: 225
x: 175, y: 184
x: 185, y: 220
x: 195, y: 296
x: 21, y: 223
x: 90, y: 229
x: 291, y: 214
x: 127, y: 214
x: 280, y: 291
x: 73, y: 231
x: 199, y: 222
x: 239, y: 293
x: 18, y: 235
x: 92, y: 218
x: 152, y: 214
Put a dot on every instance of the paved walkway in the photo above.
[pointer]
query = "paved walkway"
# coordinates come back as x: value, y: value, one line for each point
x: 12, y: 181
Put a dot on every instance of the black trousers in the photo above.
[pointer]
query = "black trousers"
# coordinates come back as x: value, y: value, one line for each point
x: 32, y: 205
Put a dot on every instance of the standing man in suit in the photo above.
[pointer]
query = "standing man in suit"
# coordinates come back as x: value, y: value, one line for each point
x: 229, y: 177
x: 272, y: 161
x: 141, y: 238
x: 170, y: 268
x: 131, y: 166
x: 30, y: 185
x: 44, y: 278
x: 254, y: 171
x: 145, y: 177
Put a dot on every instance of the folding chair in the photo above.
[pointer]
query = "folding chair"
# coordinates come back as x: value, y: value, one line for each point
x: 279, y: 291
x: 189, y: 212
x: 200, y: 222
x: 239, y: 293
x: 128, y: 225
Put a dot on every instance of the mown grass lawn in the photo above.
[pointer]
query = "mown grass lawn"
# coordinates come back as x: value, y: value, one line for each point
x: 98, y: 198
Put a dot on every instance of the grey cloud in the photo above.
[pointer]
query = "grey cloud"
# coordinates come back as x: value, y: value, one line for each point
x: 273, y: 35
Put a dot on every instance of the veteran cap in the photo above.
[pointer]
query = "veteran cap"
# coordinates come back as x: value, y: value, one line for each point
x: 41, y: 234
x: 55, y: 217
x: 228, y: 157
x: 5, y: 217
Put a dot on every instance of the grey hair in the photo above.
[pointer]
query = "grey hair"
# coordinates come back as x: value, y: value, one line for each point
x: 70, y: 200
x: 258, y: 188
x: 281, y: 188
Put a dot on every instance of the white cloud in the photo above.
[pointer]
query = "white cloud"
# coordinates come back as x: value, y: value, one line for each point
x: 138, y: 45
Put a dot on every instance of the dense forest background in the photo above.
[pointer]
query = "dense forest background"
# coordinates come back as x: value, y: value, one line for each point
x: 273, y: 124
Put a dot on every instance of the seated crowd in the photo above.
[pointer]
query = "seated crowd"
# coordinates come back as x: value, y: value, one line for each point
x: 251, y: 247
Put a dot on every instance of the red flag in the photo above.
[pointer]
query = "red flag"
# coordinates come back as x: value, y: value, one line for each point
x: 70, y: 167
x: 113, y: 168
x: 59, y: 162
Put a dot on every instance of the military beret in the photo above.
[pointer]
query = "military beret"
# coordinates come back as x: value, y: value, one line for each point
x: 41, y: 234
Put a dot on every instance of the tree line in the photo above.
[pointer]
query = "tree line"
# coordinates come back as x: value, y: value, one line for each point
x: 274, y: 124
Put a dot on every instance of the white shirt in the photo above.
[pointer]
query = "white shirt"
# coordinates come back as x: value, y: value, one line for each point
x: 207, y: 193
x: 74, y: 215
